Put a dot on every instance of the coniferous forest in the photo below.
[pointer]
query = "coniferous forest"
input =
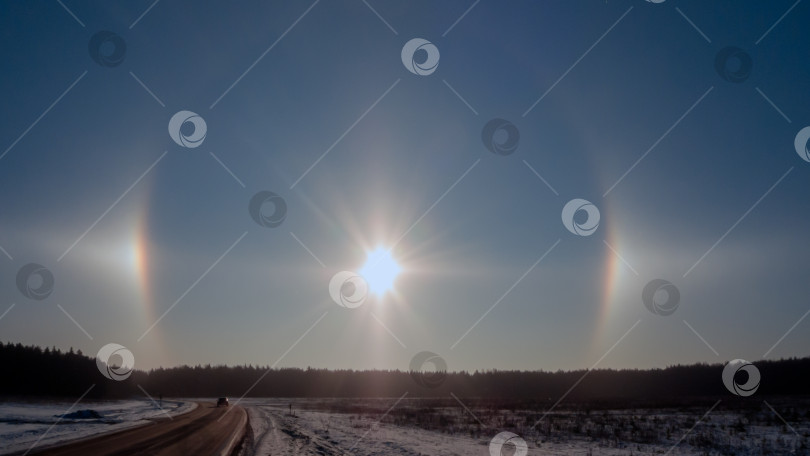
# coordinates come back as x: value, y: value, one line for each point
x: 30, y: 371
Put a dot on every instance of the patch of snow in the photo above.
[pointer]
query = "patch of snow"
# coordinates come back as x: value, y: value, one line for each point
x: 315, y: 431
x: 43, y: 424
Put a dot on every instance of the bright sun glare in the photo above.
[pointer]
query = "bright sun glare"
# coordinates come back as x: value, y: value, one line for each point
x: 380, y: 271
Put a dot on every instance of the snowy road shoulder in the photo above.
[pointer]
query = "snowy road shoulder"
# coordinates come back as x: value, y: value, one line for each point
x: 23, y: 424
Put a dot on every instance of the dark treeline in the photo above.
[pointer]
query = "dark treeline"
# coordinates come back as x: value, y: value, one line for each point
x: 34, y: 371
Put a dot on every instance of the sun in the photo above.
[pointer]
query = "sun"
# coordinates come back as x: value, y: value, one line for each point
x: 380, y: 271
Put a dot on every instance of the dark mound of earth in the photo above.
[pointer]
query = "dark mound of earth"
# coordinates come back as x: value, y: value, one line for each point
x: 82, y: 415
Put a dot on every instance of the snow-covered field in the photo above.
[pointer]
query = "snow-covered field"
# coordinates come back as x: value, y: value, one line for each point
x: 399, y: 427
x: 24, y: 424
x: 373, y: 427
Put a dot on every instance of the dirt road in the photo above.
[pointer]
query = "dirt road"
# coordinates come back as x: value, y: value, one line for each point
x: 197, y: 433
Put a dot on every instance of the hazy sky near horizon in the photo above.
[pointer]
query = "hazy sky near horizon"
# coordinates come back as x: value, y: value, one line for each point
x: 695, y: 177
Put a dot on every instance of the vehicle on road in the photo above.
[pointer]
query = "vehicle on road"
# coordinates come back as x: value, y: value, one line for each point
x: 223, y: 402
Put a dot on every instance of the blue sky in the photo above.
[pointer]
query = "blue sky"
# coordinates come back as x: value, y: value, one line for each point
x: 619, y: 77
